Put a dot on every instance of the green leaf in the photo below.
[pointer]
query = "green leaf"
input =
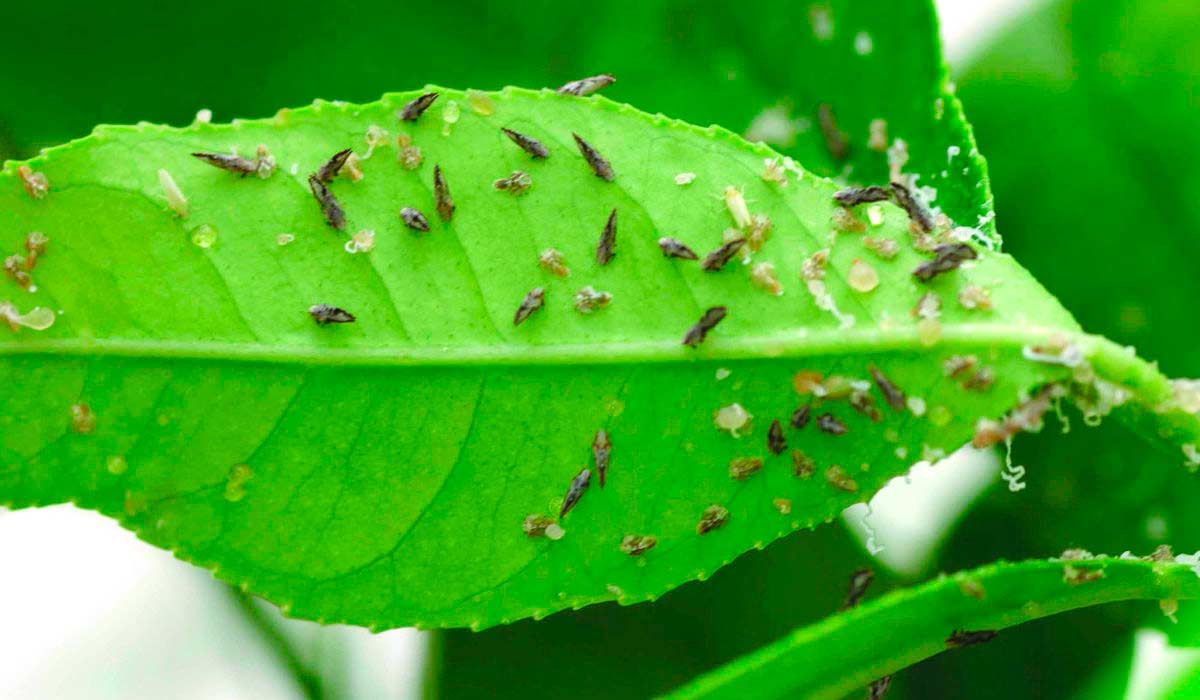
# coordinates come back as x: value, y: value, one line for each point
x: 727, y: 66
x: 378, y: 473
x: 829, y: 659
x: 643, y: 650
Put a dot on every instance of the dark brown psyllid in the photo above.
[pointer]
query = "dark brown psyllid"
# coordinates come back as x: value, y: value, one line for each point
x: 414, y: 219
x: 718, y: 258
x: 601, y: 449
x: 801, y: 417
x: 605, y: 249
x: 528, y: 144
x: 413, y: 110
x: 915, y: 210
x: 673, y: 248
x: 334, y: 216
x: 441, y: 194
x: 776, y: 443
x: 598, y: 163
x: 891, y: 393
x: 965, y: 638
x: 333, y: 166
x: 234, y: 164
x: 853, y: 196
x: 579, y: 484
x: 697, y: 333
x: 325, y: 314
x: 532, y: 302
x: 946, y: 258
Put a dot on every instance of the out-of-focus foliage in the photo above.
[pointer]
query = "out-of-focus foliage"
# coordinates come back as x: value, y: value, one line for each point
x: 1086, y: 111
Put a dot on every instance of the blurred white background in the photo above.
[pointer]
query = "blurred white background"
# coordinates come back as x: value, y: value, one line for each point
x: 88, y: 611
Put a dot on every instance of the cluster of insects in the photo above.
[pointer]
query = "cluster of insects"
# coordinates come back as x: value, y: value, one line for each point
x: 931, y: 234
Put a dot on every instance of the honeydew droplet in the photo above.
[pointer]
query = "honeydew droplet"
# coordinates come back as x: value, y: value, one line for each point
x: 555, y: 532
x: 450, y: 114
x: 732, y: 418
x: 480, y: 103
x: 116, y: 464
x: 722, y: 373
x: 875, y: 215
x: 683, y: 179
x: 862, y: 277
x: 916, y: 406
x: 863, y: 44
x: 284, y: 239
x: 929, y: 331
x: 235, y: 486
x: 940, y: 416
x: 204, y: 236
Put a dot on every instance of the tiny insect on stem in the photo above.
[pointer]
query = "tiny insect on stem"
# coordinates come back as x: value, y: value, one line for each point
x: 673, y: 248
x: 965, y: 638
x: 947, y: 257
x: 441, y: 194
x: 853, y: 196
x: 333, y: 166
x: 709, y: 320
x: 860, y: 581
x: 606, y: 248
x: 325, y: 314
x: 575, y: 491
x: 586, y: 86
x: 598, y: 163
x: 414, y: 109
x: 717, y: 259
x: 414, y: 219
x: 530, y: 145
x: 916, y: 211
x: 533, y: 301
x: 334, y: 216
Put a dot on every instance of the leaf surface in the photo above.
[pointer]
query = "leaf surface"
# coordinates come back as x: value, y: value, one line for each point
x: 379, y: 472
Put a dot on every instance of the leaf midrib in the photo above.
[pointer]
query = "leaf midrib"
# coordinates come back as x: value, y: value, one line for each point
x: 777, y: 346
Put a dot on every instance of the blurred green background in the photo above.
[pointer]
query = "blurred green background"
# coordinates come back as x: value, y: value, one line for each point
x: 1086, y: 110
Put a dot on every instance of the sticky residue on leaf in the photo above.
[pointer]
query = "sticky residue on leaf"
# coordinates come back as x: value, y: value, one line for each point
x: 235, y: 484
x: 116, y: 465
x: 763, y: 276
x: 481, y: 103
x: 733, y: 419
x: 83, y: 421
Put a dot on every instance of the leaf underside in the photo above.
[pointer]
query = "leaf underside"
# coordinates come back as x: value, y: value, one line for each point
x: 913, y: 624
x: 378, y: 473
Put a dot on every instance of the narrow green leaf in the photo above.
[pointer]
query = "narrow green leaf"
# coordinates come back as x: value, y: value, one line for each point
x: 847, y: 651
x: 379, y: 472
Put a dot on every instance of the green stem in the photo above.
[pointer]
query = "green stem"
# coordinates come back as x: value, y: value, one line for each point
x: 274, y: 639
x: 849, y: 650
